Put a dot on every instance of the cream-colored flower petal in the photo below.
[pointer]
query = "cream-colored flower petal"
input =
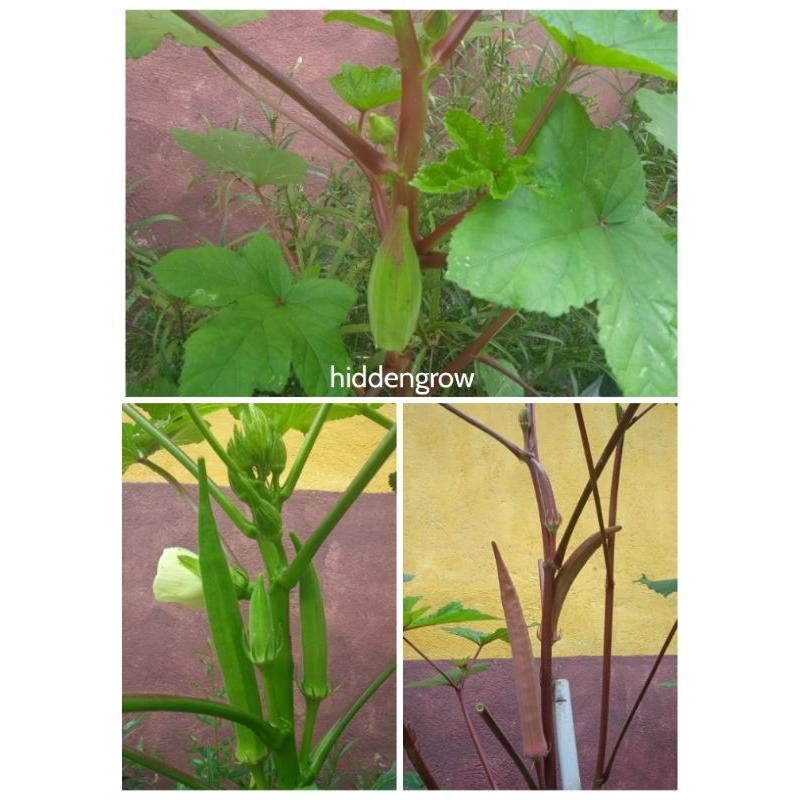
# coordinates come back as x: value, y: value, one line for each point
x: 175, y: 582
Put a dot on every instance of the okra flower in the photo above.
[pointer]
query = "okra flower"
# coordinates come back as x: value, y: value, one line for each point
x: 178, y: 578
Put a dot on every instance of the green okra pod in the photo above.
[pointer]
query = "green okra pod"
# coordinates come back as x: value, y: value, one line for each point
x: 225, y: 622
x: 264, y: 640
x: 314, y: 685
x: 313, y: 633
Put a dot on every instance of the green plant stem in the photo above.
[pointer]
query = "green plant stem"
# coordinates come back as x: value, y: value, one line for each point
x: 271, y: 735
x: 230, y: 508
x: 309, y: 440
x: 309, y: 723
x: 323, y: 748
x: 492, y: 725
x: 367, y: 472
x: 278, y: 682
x: 364, y: 153
x: 163, y: 768
x: 375, y: 416
x: 171, y: 480
x: 604, y: 777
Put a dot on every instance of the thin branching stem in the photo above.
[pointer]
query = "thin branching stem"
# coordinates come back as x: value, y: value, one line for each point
x: 369, y: 157
x: 608, y: 615
x: 416, y: 759
x: 498, y: 733
x: 645, y: 687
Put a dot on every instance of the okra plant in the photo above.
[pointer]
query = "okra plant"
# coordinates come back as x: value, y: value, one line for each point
x: 253, y: 648
x: 542, y: 216
x: 560, y: 563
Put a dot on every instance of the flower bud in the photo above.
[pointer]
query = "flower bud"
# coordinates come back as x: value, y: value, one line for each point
x: 436, y: 23
x: 381, y: 129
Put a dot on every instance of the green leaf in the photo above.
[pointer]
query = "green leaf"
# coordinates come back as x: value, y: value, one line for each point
x: 245, y: 155
x: 268, y: 324
x: 664, y: 588
x: 365, y: 88
x: 479, y: 637
x: 481, y: 160
x: 144, y: 30
x: 494, y: 383
x: 407, y: 577
x: 361, y: 21
x: 581, y: 234
x: 451, y: 612
x: 639, y: 41
x: 663, y: 112
x: 412, y: 781
x: 170, y: 418
x: 457, y: 674
x: 409, y: 612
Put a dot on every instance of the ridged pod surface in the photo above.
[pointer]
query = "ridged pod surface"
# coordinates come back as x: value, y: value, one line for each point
x: 526, y: 679
x: 394, y: 292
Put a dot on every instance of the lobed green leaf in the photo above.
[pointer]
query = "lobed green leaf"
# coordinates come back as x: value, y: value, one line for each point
x: 144, y: 30
x: 639, y: 41
x: 268, y: 325
x: 664, y: 587
x: 244, y: 155
x: 663, y: 112
x: 365, y: 88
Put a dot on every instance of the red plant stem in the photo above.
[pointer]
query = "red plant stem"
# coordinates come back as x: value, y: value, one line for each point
x: 431, y: 663
x: 608, y: 622
x: 507, y: 443
x: 545, y: 110
x: 458, y: 688
x: 415, y: 757
x: 475, y: 741
x: 259, y: 98
x: 625, y: 422
x: 471, y: 351
x: 648, y: 681
x: 411, y: 128
x: 587, y: 451
x: 369, y: 157
x: 446, y: 46
x: 548, y: 779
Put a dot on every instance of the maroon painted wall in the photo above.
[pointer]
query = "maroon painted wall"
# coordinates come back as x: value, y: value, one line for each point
x: 647, y: 758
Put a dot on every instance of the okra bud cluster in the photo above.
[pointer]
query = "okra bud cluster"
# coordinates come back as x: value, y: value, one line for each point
x: 259, y: 456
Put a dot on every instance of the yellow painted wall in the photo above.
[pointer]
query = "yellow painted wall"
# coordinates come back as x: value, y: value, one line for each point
x: 340, y: 451
x: 462, y: 490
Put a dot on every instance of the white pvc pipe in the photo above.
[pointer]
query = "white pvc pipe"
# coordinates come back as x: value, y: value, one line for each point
x: 566, y: 745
